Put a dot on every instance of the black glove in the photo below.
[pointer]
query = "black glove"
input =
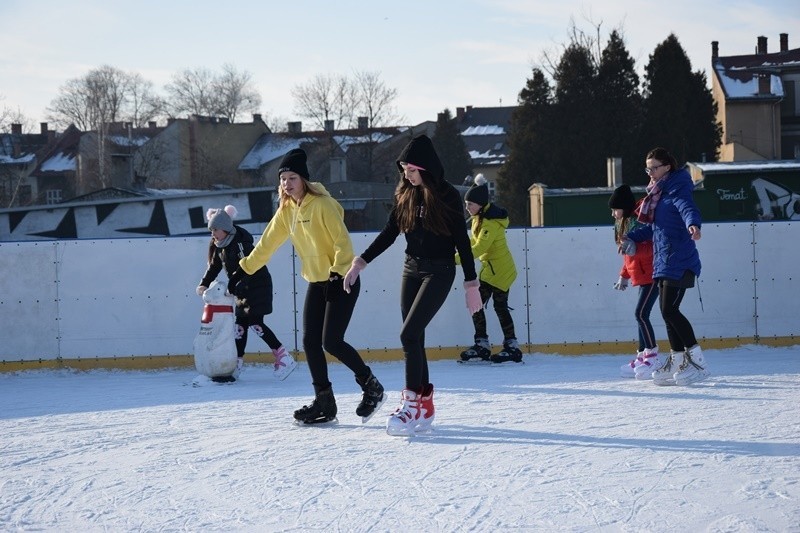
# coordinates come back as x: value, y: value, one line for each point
x: 235, y: 281
x: 335, y: 287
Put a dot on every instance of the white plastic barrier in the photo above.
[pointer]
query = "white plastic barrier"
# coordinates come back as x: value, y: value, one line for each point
x: 136, y: 297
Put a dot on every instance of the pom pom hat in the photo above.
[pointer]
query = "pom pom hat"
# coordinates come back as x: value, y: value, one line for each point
x: 479, y: 192
x: 221, y: 218
x: 295, y: 161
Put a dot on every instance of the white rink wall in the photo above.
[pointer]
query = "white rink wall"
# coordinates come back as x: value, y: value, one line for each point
x: 117, y: 298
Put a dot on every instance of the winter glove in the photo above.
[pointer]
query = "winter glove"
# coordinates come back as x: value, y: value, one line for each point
x: 627, y: 247
x: 352, y: 275
x: 235, y: 279
x: 473, y: 295
x: 335, y: 288
x: 621, y: 284
x: 200, y: 289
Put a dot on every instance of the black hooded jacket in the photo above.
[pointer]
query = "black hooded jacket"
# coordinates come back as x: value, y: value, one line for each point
x: 255, y: 299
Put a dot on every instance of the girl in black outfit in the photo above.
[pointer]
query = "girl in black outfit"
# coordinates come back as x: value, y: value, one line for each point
x: 428, y: 210
x: 229, y: 243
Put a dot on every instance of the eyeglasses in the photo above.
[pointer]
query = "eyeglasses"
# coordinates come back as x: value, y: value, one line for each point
x: 650, y: 170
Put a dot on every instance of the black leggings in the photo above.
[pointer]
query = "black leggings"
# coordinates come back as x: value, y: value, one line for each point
x: 425, y: 286
x: 261, y: 329
x: 500, y: 299
x: 324, y: 325
x: 679, y: 329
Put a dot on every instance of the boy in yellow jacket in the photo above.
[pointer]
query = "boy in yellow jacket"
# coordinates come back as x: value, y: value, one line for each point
x: 498, y: 272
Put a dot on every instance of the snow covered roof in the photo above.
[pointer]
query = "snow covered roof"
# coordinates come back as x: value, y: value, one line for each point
x: 269, y: 147
x: 23, y: 159
x: 484, y: 130
x: 740, y: 166
x: 60, y: 162
x: 739, y: 75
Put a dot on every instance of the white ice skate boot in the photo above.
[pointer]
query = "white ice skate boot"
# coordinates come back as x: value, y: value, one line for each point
x: 284, y: 363
x: 665, y: 374
x: 650, y: 362
x: 693, y: 368
x: 628, y: 370
x: 404, y: 420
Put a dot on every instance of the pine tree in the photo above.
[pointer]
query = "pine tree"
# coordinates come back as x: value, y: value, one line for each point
x: 620, y: 105
x: 451, y: 149
x: 679, y: 111
x: 578, y: 157
x: 529, y: 147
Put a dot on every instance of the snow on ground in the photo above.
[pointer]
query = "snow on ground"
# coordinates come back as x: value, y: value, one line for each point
x: 557, y: 444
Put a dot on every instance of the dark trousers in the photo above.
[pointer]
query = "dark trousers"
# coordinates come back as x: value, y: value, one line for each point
x: 679, y: 329
x: 647, y: 298
x: 261, y: 329
x: 425, y: 286
x: 500, y: 301
x: 324, y: 326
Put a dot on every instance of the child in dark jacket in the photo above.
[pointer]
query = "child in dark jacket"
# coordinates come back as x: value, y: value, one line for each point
x: 637, y: 269
x: 229, y: 243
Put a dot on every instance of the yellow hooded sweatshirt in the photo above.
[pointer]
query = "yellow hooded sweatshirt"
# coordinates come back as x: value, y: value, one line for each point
x: 317, y: 231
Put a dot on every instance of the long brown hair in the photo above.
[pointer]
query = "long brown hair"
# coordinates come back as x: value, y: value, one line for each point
x: 435, y: 213
x: 307, y: 189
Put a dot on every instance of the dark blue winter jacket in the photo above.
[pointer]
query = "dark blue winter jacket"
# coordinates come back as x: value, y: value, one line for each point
x: 674, y: 251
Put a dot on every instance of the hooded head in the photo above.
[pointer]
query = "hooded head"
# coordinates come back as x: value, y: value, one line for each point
x: 295, y: 161
x: 221, y: 218
x: 622, y: 198
x: 420, y: 153
x: 479, y: 192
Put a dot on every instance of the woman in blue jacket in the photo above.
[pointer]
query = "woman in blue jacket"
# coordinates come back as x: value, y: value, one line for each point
x: 671, y: 219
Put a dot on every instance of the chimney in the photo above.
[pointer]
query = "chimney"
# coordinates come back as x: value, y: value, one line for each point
x: 329, y: 125
x: 257, y: 117
x: 16, y: 129
x: 460, y: 113
x: 762, y: 46
x: 294, y: 127
x: 764, y: 82
x: 784, y: 42
x: 440, y: 116
x: 43, y: 128
x: 363, y: 123
x: 714, y: 50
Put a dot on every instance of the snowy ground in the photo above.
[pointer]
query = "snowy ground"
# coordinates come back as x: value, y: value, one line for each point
x: 557, y: 444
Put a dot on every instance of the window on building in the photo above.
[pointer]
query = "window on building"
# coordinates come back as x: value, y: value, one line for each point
x: 53, y: 196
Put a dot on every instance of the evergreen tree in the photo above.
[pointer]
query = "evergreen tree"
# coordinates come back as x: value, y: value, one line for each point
x: 451, y: 149
x: 620, y: 105
x: 679, y: 111
x: 529, y: 149
x: 577, y: 156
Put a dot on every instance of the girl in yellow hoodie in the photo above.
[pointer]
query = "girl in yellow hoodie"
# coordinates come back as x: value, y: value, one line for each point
x: 314, y: 221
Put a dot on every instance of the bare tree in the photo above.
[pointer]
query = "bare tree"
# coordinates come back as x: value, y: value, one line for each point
x: 326, y: 97
x: 235, y: 93
x: 9, y: 116
x: 144, y: 104
x: 200, y: 91
x: 192, y: 92
x: 375, y: 99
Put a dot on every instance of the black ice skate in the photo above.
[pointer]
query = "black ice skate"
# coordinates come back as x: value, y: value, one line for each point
x: 322, y: 410
x: 372, y: 397
x: 510, y: 353
x: 480, y: 351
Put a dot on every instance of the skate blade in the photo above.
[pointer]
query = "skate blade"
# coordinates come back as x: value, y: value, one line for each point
x: 317, y: 422
x: 283, y: 373
x: 365, y: 419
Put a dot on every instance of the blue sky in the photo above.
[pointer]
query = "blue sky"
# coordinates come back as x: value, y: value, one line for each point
x: 442, y: 54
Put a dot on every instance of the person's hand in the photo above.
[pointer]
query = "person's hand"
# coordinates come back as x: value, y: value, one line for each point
x: 627, y: 247
x: 621, y: 284
x: 473, y: 296
x: 335, y: 287
x: 352, y: 275
x: 233, y: 280
x: 200, y: 289
x: 694, y: 231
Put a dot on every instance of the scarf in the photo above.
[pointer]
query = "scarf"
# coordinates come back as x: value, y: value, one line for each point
x: 648, y: 208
